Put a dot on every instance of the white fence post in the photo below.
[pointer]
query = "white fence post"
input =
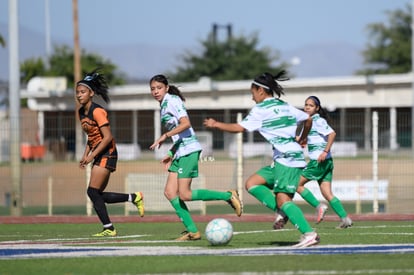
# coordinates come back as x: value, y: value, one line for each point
x: 375, y: 160
x: 50, y: 196
x: 88, y: 201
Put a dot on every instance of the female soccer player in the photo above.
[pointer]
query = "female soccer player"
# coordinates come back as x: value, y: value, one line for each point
x: 100, y: 150
x: 182, y: 160
x: 277, y: 121
x: 320, y: 167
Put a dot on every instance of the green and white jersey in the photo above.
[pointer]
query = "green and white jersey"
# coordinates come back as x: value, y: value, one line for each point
x: 277, y: 121
x: 318, y: 137
x: 172, y: 109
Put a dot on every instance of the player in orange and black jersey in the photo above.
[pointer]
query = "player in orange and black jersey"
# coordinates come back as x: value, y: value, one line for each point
x: 101, y: 151
x: 91, y: 123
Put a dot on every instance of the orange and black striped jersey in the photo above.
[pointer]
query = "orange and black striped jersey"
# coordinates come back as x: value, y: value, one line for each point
x: 92, y: 122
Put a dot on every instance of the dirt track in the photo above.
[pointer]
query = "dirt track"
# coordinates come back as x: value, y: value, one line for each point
x: 197, y: 218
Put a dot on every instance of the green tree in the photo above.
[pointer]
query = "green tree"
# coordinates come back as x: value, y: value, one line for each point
x: 2, y: 42
x: 389, y: 50
x: 61, y: 64
x: 236, y: 58
x: 32, y: 67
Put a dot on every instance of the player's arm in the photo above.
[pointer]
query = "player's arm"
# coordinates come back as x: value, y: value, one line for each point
x: 328, y: 146
x: 182, y: 126
x: 307, y: 125
x: 226, y: 127
x: 331, y: 139
x: 106, y: 140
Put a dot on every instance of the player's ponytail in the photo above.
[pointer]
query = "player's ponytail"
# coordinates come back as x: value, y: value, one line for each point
x: 97, y: 83
x: 270, y: 83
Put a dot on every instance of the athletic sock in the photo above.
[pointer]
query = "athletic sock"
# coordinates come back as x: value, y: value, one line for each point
x: 309, y: 197
x: 209, y: 195
x: 336, y: 205
x: 296, y: 217
x: 109, y: 226
x: 99, y: 205
x: 111, y: 197
x: 184, y: 215
x: 264, y: 195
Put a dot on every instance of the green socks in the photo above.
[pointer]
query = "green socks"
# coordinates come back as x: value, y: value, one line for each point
x: 196, y: 195
x: 184, y: 215
x: 296, y: 217
x: 209, y: 195
x: 264, y: 195
x: 336, y: 205
x: 309, y: 197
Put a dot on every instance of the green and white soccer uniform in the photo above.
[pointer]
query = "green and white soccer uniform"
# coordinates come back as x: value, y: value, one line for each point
x: 172, y: 109
x: 318, y: 137
x: 277, y: 121
x: 317, y: 140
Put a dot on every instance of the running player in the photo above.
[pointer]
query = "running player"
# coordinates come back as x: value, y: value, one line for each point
x: 320, y: 167
x: 100, y: 150
x: 182, y: 161
x: 277, y: 121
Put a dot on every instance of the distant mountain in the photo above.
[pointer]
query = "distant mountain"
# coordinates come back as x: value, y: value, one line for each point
x: 32, y: 44
x: 141, y: 61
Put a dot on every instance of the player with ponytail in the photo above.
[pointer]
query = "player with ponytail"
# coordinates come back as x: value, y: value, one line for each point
x: 276, y: 121
x: 100, y: 150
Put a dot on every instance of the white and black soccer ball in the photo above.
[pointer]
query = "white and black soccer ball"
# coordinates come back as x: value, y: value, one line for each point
x: 219, y: 231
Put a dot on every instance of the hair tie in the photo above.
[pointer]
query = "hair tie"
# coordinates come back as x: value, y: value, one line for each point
x: 260, y: 85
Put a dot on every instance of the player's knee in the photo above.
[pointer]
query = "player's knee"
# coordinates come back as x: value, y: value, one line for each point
x: 300, y: 189
x: 93, y: 193
x: 185, y: 197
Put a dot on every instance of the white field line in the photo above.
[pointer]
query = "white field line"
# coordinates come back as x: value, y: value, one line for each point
x: 402, y: 234
x: 386, y: 226
x: 318, y: 272
x: 59, y: 251
x: 127, y: 238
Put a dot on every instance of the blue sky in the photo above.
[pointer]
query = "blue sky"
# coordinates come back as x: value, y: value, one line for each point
x: 144, y: 37
x: 279, y: 24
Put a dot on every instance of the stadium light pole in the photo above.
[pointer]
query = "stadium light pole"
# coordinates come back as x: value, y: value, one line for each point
x: 412, y: 77
x: 77, y: 75
x: 77, y: 71
x: 14, y: 101
x: 47, y: 33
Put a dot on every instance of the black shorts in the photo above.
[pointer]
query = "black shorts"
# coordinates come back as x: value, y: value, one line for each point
x: 107, y: 160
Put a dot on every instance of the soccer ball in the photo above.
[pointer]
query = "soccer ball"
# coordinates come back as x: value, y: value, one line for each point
x: 219, y: 231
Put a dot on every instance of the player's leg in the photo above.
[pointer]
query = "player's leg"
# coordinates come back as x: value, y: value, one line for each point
x: 136, y: 198
x: 309, y: 236
x: 171, y: 192
x: 260, y: 186
x: 336, y: 205
x: 188, y: 167
x: 314, y: 171
x: 98, y: 182
x: 287, y: 179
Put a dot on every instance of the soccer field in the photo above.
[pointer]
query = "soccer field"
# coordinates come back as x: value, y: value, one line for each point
x: 369, y: 247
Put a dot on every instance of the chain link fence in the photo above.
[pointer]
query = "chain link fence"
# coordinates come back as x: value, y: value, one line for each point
x: 52, y: 183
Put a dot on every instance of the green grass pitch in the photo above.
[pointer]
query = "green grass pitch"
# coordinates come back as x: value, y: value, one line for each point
x: 143, y: 236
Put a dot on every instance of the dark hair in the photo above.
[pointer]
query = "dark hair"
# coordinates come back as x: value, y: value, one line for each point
x: 97, y: 83
x: 171, y: 88
x: 270, y: 83
x: 321, y: 111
